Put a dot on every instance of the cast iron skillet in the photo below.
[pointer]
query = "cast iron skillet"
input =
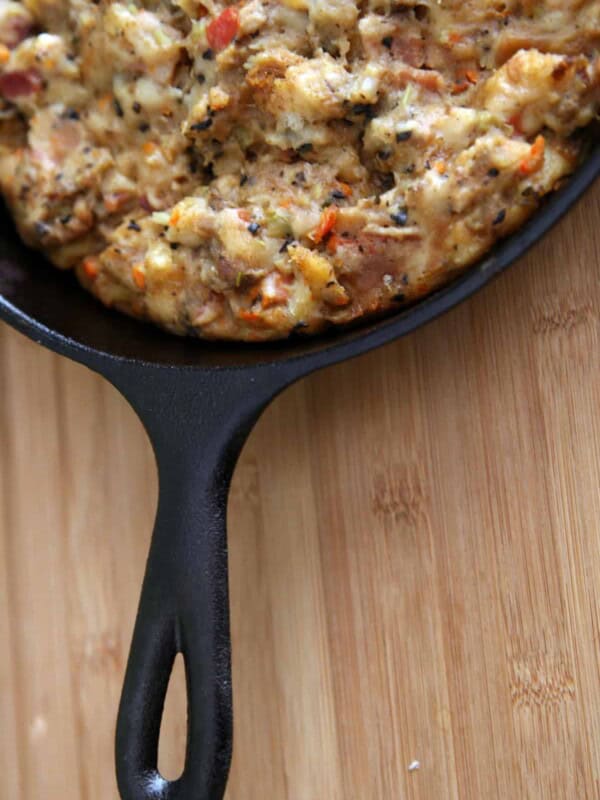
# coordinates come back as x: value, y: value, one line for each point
x: 198, y: 402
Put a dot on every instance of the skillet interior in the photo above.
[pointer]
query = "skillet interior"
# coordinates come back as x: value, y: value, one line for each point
x: 51, y: 308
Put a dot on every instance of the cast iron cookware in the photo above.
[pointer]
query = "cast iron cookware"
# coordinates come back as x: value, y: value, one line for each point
x: 198, y: 402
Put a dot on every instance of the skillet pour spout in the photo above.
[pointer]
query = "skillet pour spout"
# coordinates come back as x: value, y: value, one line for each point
x: 198, y: 402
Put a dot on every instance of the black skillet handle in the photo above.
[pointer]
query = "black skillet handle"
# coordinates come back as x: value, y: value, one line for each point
x: 183, y: 608
x: 198, y: 424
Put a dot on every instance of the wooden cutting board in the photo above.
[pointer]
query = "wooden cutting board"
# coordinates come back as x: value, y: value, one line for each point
x: 415, y: 561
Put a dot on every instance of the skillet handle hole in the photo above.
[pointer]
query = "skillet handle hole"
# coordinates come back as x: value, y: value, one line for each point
x: 173, y: 728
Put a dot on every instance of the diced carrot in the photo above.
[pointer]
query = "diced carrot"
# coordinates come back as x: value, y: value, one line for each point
x: 223, y: 29
x: 459, y: 87
x: 455, y: 37
x: 139, y: 276
x: 346, y: 189
x: 270, y: 300
x: 429, y: 79
x: 440, y: 167
x: 535, y: 160
x: 465, y: 77
x: 104, y: 101
x: 175, y: 217
x: 149, y: 148
x: 244, y: 215
x: 339, y: 300
x: 91, y: 267
x: 333, y: 242
x: 286, y: 202
x: 326, y: 224
x: 539, y: 146
x: 253, y: 317
x: 4, y: 54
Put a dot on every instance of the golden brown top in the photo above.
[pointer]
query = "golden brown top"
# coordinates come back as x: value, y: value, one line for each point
x: 244, y: 171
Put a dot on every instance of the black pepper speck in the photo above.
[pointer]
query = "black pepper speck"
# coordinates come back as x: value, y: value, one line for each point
x: 400, y: 217
x: 202, y: 126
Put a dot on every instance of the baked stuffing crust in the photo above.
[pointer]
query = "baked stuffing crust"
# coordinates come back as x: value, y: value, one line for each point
x: 246, y: 171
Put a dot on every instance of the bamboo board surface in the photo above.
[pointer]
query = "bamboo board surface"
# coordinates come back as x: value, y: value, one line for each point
x: 415, y: 561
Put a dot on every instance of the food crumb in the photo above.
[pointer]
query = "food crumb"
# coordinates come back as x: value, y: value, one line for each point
x: 413, y: 766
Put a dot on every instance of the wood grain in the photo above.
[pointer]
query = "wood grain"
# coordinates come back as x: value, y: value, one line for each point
x: 415, y: 561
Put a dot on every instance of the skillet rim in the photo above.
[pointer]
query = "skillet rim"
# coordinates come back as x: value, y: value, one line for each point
x: 321, y: 350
